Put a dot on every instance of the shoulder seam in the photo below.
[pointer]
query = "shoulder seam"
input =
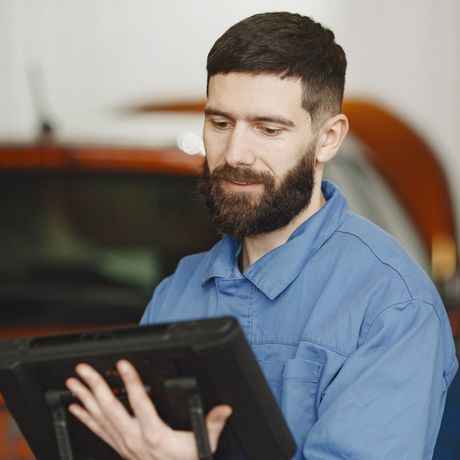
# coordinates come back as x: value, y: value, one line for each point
x: 378, y: 258
x: 408, y: 301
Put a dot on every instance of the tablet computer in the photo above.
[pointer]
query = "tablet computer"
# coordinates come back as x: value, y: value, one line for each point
x: 213, y: 352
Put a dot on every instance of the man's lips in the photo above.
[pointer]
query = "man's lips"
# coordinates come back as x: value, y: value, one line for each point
x: 241, y: 185
x: 237, y: 182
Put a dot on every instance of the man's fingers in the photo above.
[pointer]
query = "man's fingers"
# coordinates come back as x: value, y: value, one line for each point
x: 100, y: 402
x: 84, y: 395
x: 215, y: 422
x: 141, y: 404
x: 90, y: 414
x: 103, y: 413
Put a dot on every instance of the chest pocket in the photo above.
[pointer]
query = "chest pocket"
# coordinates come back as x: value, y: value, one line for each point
x: 298, y: 396
x: 294, y: 384
x: 273, y: 371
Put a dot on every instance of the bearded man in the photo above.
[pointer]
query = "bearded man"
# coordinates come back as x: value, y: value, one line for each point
x: 350, y: 333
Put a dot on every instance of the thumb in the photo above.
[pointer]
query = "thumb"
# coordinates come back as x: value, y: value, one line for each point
x: 215, y: 422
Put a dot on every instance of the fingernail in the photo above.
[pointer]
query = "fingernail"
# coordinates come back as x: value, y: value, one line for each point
x: 83, y: 370
x: 123, y: 366
x: 74, y: 409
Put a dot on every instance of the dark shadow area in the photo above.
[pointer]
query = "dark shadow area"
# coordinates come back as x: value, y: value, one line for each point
x: 448, y: 444
x: 89, y: 247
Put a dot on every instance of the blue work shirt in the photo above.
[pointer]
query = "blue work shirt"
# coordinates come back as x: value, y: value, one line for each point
x: 349, y: 331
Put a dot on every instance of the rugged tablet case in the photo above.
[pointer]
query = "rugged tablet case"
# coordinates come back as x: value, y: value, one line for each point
x: 213, y: 351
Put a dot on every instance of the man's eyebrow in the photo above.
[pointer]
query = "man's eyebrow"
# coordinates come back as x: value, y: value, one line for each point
x: 273, y: 119
x: 209, y: 111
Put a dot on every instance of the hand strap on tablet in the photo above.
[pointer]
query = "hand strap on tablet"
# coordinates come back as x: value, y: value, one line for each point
x: 189, y: 387
x: 54, y: 399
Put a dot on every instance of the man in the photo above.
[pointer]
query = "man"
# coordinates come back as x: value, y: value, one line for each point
x: 350, y: 333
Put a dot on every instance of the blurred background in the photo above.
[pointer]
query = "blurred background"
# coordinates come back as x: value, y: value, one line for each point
x: 100, y: 126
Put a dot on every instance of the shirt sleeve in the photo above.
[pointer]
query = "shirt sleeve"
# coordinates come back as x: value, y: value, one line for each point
x: 386, y: 402
x: 150, y: 312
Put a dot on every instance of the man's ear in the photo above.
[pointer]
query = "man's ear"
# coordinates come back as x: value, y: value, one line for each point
x: 330, y: 137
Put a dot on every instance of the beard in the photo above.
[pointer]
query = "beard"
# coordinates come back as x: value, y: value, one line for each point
x: 242, y: 214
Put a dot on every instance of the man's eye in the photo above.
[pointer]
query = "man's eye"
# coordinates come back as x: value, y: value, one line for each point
x: 272, y: 132
x: 220, y: 124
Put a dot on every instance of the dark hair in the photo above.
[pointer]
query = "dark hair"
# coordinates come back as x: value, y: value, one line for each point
x: 289, y: 45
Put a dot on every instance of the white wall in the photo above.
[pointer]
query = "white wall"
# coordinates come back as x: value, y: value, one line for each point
x: 99, y: 55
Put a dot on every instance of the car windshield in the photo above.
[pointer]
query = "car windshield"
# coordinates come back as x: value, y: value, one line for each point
x: 90, y: 247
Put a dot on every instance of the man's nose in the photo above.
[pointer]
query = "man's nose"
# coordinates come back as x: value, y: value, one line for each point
x: 239, y: 151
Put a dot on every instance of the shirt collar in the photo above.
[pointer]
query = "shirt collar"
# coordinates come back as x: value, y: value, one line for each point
x: 276, y: 270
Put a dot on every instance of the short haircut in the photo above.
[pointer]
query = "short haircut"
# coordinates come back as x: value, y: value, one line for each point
x: 288, y: 45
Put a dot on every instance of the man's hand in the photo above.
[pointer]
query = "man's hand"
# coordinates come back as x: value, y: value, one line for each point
x: 144, y: 435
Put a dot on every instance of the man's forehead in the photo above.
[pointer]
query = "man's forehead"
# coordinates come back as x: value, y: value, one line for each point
x: 255, y: 95
x: 260, y: 79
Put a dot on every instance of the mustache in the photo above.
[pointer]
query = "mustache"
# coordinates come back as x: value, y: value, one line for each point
x: 240, y: 174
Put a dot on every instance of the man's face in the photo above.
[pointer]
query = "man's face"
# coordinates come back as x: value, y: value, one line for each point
x: 260, y: 156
